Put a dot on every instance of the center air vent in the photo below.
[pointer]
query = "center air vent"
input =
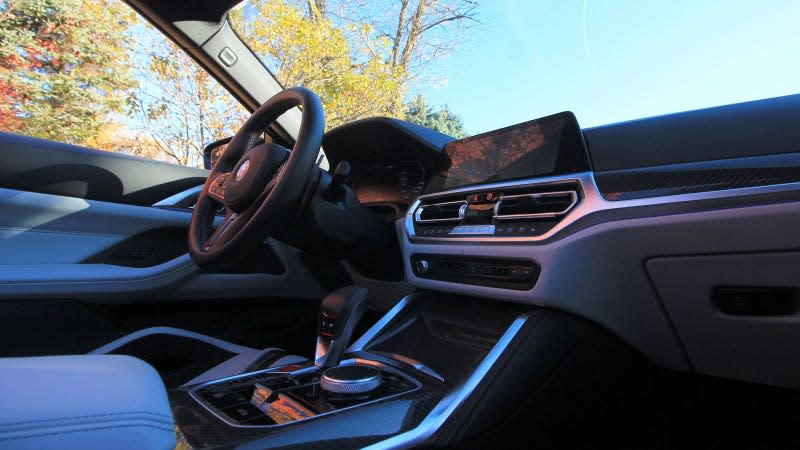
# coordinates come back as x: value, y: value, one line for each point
x: 541, y: 205
x: 441, y: 212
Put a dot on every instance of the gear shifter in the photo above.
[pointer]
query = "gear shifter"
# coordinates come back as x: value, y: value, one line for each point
x: 339, y: 314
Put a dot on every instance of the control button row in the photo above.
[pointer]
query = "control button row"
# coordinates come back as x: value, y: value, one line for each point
x: 434, y: 231
x: 514, y: 272
x: 499, y: 230
x: 512, y: 229
x: 217, y: 187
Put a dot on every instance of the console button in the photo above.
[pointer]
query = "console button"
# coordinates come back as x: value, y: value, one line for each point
x: 421, y: 267
x: 241, y: 412
x: 222, y: 399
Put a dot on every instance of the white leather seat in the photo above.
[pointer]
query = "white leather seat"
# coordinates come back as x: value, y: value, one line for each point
x: 83, y: 402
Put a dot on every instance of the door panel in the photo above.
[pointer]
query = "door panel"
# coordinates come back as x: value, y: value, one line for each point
x: 44, y: 229
x: 79, y: 223
x: 38, y: 165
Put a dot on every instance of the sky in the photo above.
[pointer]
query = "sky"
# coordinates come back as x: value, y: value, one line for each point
x: 611, y: 60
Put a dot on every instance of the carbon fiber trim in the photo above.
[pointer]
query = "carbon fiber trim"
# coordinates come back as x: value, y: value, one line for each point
x: 698, y: 177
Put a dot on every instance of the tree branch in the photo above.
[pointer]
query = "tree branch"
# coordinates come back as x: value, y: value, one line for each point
x: 398, y: 35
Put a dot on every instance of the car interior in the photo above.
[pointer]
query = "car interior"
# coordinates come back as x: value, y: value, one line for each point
x: 542, y: 285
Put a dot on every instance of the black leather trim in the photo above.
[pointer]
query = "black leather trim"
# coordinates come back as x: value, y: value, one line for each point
x: 182, y: 10
x: 48, y: 167
x: 384, y: 137
x: 762, y: 127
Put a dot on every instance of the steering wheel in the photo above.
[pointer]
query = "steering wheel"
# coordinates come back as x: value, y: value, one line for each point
x: 260, y: 187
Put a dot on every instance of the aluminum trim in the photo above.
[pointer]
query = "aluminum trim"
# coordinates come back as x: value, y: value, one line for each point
x: 461, y: 211
x: 356, y: 386
x: 332, y: 380
x: 175, y: 199
x: 367, y: 337
x: 585, y: 180
x: 417, y: 365
x: 452, y: 401
x: 591, y: 202
x: 573, y: 196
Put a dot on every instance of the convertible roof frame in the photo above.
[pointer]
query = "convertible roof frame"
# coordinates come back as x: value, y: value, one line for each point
x: 213, y: 11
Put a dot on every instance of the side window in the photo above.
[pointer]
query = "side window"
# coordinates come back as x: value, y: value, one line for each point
x: 94, y: 73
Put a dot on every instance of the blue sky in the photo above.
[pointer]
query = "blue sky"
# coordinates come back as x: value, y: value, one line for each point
x: 636, y: 59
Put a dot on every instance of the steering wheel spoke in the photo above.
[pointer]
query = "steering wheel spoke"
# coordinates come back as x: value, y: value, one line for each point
x: 223, y: 231
x: 217, y: 188
x: 274, y: 180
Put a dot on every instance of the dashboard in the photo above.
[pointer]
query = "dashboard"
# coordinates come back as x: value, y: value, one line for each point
x: 392, y: 161
x: 392, y: 164
x: 398, y: 182
x: 636, y: 226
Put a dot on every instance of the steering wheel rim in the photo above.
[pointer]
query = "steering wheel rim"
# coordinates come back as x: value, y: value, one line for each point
x: 259, y: 186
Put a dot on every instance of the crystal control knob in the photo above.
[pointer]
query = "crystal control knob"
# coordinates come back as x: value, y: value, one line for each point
x: 350, y: 379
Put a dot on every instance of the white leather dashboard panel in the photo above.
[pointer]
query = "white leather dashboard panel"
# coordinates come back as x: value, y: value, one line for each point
x: 43, y: 239
x: 43, y: 228
x: 596, y: 267
x: 755, y: 348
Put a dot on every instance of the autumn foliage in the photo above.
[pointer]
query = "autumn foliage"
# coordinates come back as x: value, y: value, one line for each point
x: 62, y: 66
x: 353, y: 81
x: 93, y: 73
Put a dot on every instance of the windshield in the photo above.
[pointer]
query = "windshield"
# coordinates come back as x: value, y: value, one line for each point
x: 469, y: 66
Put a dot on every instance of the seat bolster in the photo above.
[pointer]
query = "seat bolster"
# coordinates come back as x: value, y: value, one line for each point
x: 84, y: 401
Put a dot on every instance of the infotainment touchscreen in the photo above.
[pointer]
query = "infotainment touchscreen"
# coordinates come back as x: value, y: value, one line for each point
x: 552, y: 145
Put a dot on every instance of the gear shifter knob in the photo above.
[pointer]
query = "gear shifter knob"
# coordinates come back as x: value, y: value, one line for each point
x: 339, y: 314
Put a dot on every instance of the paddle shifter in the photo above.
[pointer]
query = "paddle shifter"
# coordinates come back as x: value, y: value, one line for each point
x: 339, y: 313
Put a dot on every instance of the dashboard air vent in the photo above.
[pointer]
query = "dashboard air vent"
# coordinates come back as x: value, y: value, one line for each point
x: 441, y: 212
x: 543, y: 205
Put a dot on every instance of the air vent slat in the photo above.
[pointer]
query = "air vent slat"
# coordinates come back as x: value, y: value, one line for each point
x: 535, y: 206
x: 441, y: 212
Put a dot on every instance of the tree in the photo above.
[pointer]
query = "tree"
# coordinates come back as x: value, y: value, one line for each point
x: 361, y: 57
x: 94, y: 73
x: 444, y: 121
x: 178, y: 107
x: 316, y: 9
x: 432, y: 30
x: 62, y: 66
x: 353, y: 81
x: 419, y: 32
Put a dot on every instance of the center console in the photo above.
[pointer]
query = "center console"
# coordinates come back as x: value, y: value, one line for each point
x: 394, y: 386
x: 297, y: 393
